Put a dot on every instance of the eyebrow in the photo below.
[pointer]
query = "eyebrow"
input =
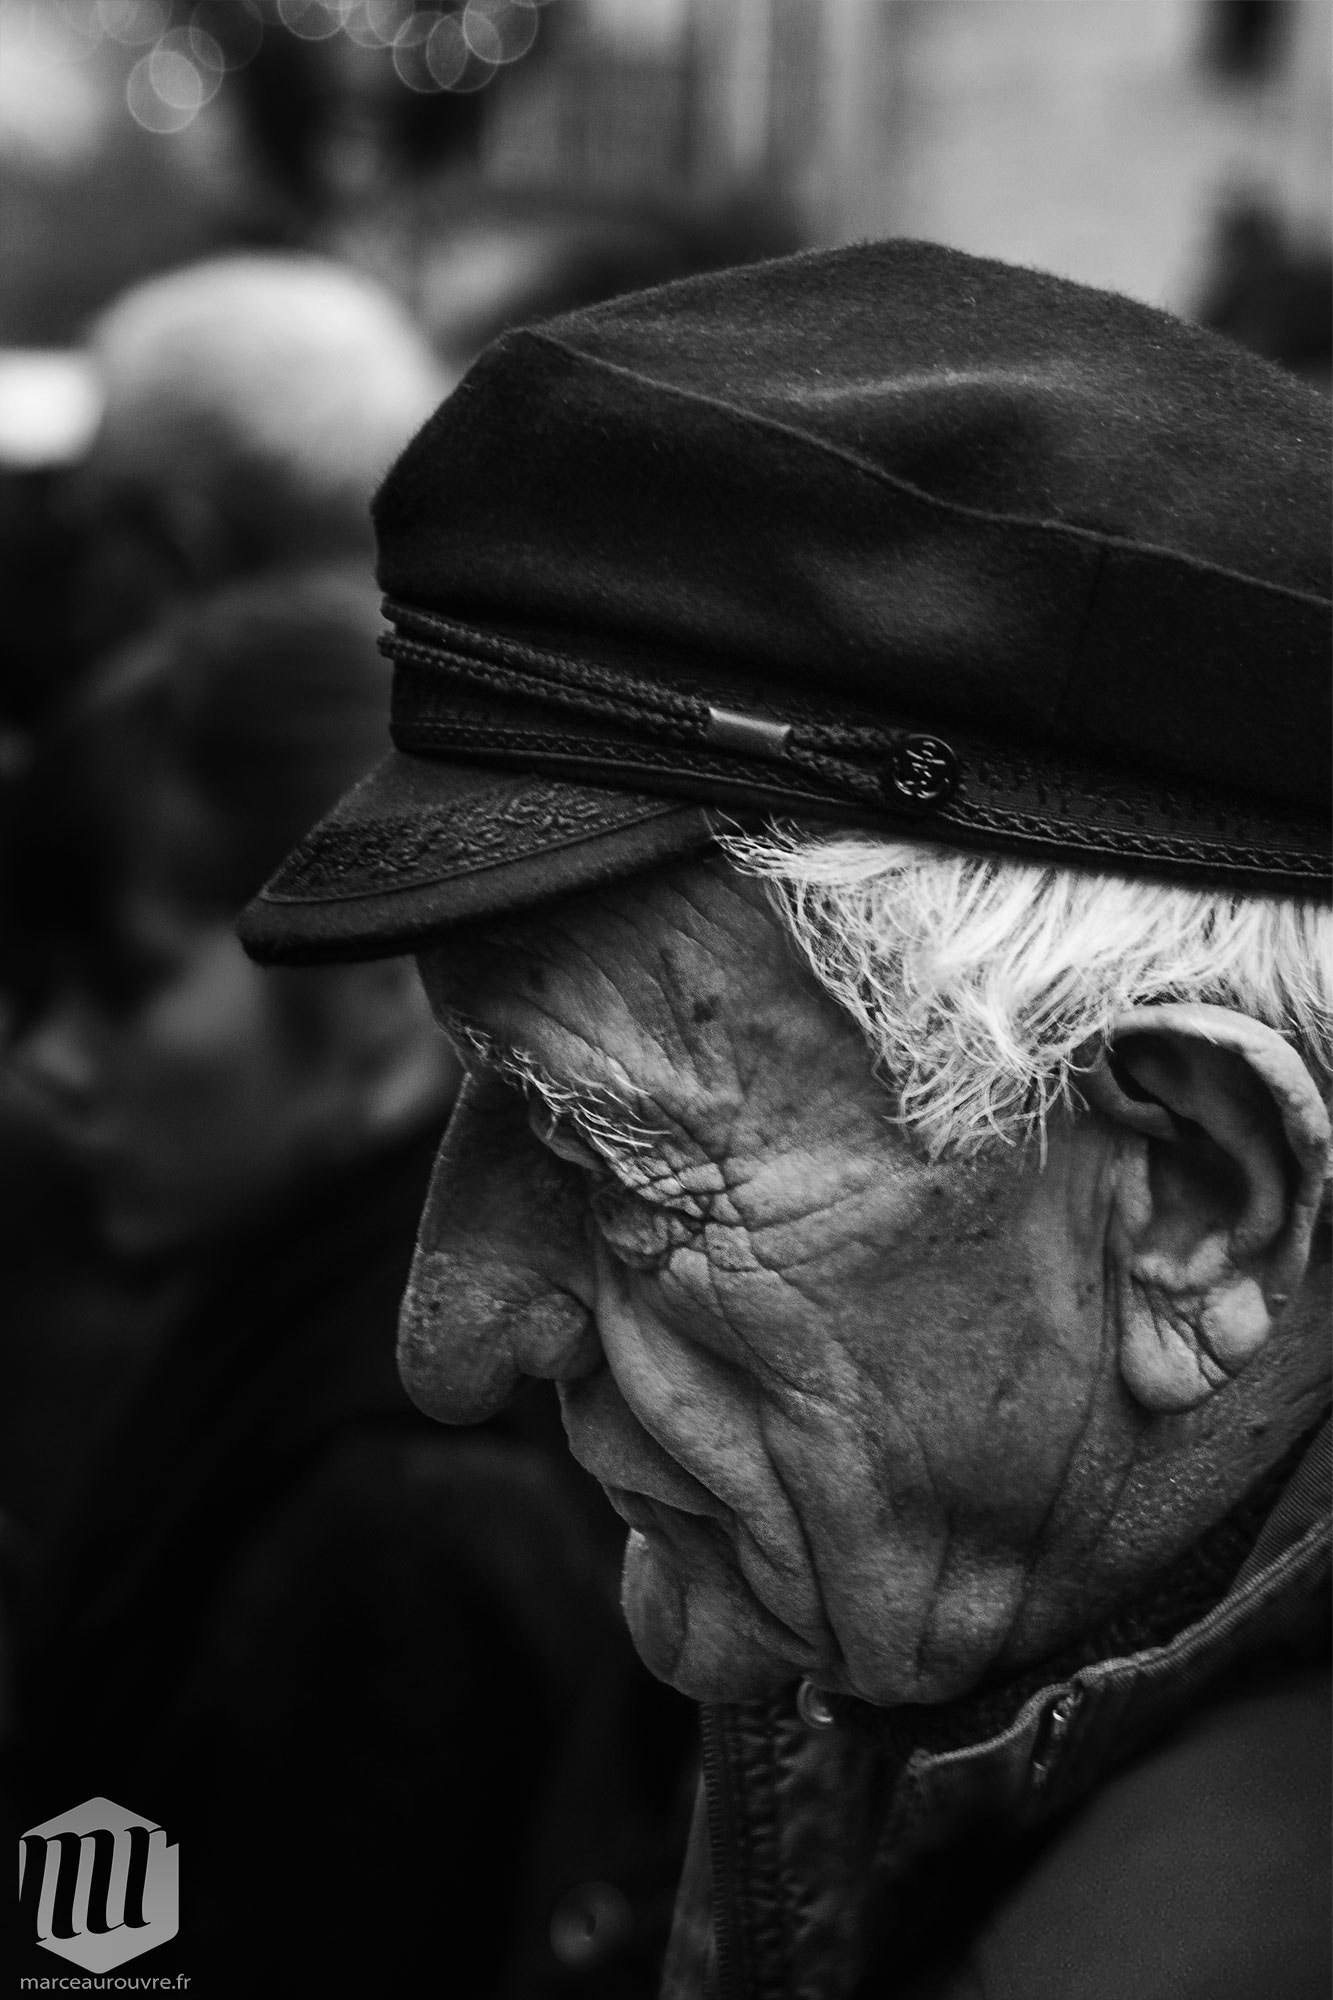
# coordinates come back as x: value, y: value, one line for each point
x: 610, y: 1121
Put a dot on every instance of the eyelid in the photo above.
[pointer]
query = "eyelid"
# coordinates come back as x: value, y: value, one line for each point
x: 615, y: 1178
x: 557, y: 1136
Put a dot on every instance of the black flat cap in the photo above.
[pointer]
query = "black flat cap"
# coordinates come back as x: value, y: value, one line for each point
x: 889, y: 536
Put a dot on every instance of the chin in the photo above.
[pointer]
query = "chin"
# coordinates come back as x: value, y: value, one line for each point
x: 700, y: 1629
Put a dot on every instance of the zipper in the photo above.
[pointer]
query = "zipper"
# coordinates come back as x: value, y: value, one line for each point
x: 728, y: 1939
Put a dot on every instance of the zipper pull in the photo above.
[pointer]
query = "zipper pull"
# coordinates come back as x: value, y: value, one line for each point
x: 1059, y: 1721
x: 814, y: 1707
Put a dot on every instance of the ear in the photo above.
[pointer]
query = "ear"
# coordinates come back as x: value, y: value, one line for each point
x: 1219, y: 1178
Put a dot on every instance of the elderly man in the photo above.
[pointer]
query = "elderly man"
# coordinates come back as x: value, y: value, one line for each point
x: 860, y: 802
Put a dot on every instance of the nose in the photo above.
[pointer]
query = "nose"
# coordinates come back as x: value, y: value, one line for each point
x: 501, y: 1282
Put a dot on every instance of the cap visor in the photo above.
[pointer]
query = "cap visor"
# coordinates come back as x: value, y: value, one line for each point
x: 421, y: 845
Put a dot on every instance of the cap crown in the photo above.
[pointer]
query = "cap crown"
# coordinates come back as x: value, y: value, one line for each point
x: 886, y: 535
x: 899, y: 482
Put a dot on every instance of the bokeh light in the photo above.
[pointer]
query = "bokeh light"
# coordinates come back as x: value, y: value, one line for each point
x: 236, y: 29
x: 500, y: 31
x: 202, y: 56
x: 410, y: 50
x: 481, y: 35
x: 164, y: 92
x: 134, y: 22
x: 456, y: 47
x: 75, y: 25
x: 375, y: 23
x: 447, y: 52
x: 311, y: 20
x: 177, y: 80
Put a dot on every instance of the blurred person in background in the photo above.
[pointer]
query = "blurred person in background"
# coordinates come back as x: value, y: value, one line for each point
x: 251, y: 404
x: 239, y: 411
x: 370, y: 1676
x: 226, y: 416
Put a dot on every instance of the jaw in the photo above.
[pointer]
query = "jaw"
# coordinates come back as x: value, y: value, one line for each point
x: 919, y: 1625
x: 725, y: 1613
x: 697, y: 1625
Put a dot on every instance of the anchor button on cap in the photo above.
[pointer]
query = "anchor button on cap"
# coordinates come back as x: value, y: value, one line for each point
x: 922, y: 771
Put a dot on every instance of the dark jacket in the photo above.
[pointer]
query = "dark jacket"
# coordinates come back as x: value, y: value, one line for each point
x: 369, y: 1672
x: 1147, y: 1819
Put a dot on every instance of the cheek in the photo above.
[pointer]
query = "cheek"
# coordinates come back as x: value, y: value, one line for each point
x: 697, y: 1395
x: 660, y: 1345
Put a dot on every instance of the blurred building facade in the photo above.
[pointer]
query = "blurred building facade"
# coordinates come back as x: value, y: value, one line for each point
x: 1103, y: 139
x: 494, y: 160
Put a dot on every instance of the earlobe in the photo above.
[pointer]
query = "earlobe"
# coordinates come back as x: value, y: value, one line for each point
x: 1220, y: 1170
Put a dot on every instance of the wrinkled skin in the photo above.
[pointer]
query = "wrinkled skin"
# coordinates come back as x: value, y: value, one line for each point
x: 860, y: 1411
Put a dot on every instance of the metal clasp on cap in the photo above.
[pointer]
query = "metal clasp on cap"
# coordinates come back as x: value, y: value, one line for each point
x: 751, y: 735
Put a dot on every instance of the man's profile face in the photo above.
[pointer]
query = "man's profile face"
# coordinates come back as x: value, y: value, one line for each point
x: 838, y: 1393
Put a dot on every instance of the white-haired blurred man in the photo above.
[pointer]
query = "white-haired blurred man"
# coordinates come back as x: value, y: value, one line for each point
x: 251, y: 404
x: 860, y: 802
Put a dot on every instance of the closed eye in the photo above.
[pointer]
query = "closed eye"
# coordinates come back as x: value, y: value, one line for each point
x: 625, y: 1191
x: 561, y: 1136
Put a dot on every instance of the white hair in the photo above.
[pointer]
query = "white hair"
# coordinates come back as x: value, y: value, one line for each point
x: 610, y: 1125
x: 984, y: 986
